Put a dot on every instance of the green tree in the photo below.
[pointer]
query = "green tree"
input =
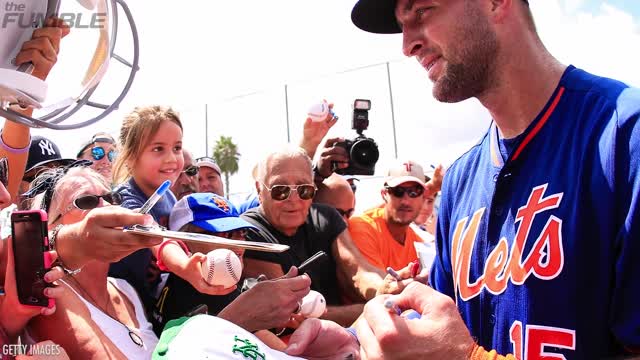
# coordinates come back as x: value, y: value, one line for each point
x: 227, y: 157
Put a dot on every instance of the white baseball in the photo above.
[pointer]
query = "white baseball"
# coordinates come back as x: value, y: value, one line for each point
x: 318, y: 112
x: 222, y: 267
x: 313, y: 305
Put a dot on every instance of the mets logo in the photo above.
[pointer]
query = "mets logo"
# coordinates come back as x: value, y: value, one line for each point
x: 222, y: 204
x: 504, y: 265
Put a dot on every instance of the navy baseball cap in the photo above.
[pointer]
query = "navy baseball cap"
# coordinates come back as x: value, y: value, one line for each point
x: 43, y: 153
x: 378, y: 16
x: 207, y: 211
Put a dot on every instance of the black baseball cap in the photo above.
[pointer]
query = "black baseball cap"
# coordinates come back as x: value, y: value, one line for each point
x: 378, y: 16
x: 43, y: 153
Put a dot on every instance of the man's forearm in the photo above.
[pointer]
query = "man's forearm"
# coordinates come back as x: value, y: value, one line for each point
x: 355, y: 273
x: 344, y: 315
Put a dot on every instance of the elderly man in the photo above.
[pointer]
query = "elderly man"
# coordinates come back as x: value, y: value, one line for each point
x: 336, y: 191
x: 209, y: 176
x: 187, y: 182
x: 286, y: 215
x: 383, y: 234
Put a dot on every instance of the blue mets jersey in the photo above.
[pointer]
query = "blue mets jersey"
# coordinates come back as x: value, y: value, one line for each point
x: 540, y: 249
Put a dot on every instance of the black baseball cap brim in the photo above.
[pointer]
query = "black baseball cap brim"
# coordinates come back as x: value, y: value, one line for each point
x: 35, y: 169
x: 376, y: 16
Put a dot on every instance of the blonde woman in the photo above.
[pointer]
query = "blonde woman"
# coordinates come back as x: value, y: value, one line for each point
x: 98, y: 316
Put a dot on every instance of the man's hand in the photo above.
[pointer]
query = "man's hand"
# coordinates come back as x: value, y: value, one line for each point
x: 99, y: 236
x: 330, y: 155
x: 393, y: 286
x: 268, y: 304
x: 192, y: 272
x: 322, y: 340
x: 314, y: 131
x: 43, y: 48
x: 435, y: 184
x: 439, y: 334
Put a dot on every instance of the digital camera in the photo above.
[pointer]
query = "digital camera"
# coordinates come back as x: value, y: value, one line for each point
x: 363, y: 151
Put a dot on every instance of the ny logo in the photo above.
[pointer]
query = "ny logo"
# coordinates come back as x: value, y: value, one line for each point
x: 46, y: 145
x: 408, y: 166
x: 220, y: 203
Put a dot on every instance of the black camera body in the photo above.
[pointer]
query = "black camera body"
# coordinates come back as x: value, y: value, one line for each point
x: 363, y: 151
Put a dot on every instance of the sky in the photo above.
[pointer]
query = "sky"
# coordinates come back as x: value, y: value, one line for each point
x: 235, y: 58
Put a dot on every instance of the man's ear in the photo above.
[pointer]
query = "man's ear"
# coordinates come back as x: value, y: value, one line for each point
x: 384, y: 195
x: 499, y: 9
x: 258, y: 187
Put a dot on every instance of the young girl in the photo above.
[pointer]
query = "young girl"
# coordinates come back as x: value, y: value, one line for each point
x: 151, y: 152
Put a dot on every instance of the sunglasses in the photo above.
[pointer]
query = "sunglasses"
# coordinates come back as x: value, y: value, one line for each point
x: 282, y: 192
x: 4, y: 171
x: 399, y: 191
x: 191, y: 171
x: 97, y: 153
x: 88, y: 202
x: 345, y: 213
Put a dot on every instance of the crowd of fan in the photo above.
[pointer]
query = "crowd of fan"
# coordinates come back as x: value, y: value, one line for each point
x: 115, y: 292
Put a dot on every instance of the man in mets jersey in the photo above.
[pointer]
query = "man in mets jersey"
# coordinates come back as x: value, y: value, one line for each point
x: 538, y: 233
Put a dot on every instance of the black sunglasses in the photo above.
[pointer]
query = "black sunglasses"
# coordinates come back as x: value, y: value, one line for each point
x: 191, y: 171
x: 345, y: 213
x: 97, y: 153
x: 4, y: 171
x: 282, y: 192
x: 88, y: 202
x: 399, y: 191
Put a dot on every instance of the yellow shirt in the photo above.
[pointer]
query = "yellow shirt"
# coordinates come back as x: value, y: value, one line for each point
x: 371, y: 235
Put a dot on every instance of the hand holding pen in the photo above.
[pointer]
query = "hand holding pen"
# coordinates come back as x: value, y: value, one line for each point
x: 155, y: 197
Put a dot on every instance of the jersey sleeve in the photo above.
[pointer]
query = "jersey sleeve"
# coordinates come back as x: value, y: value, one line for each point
x: 366, y: 239
x: 625, y: 314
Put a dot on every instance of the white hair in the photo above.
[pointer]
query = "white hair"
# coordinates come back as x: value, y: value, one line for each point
x: 287, y: 152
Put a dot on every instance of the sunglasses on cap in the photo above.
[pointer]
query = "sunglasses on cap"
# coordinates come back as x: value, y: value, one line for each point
x: 97, y: 153
x: 191, y: 171
x: 282, y: 192
x: 345, y: 213
x: 399, y: 191
x: 4, y: 171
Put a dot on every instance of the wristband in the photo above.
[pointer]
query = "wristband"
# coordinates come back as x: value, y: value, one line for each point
x: 14, y: 150
x: 159, y: 262
x: 316, y: 172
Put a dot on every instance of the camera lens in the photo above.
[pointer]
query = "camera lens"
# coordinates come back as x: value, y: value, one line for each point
x: 365, y: 153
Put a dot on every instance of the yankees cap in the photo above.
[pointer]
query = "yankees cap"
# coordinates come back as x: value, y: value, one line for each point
x: 42, y: 152
x: 378, y: 16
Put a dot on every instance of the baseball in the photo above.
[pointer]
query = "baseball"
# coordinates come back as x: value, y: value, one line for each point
x: 313, y: 305
x: 318, y: 112
x: 222, y: 267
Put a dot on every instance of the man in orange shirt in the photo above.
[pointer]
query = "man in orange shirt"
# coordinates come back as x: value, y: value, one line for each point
x: 383, y: 234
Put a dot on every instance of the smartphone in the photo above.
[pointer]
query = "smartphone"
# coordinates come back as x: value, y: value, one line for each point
x: 314, y: 260
x: 31, y: 256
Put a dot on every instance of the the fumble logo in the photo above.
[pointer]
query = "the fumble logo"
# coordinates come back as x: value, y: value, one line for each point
x: 544, y: 261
